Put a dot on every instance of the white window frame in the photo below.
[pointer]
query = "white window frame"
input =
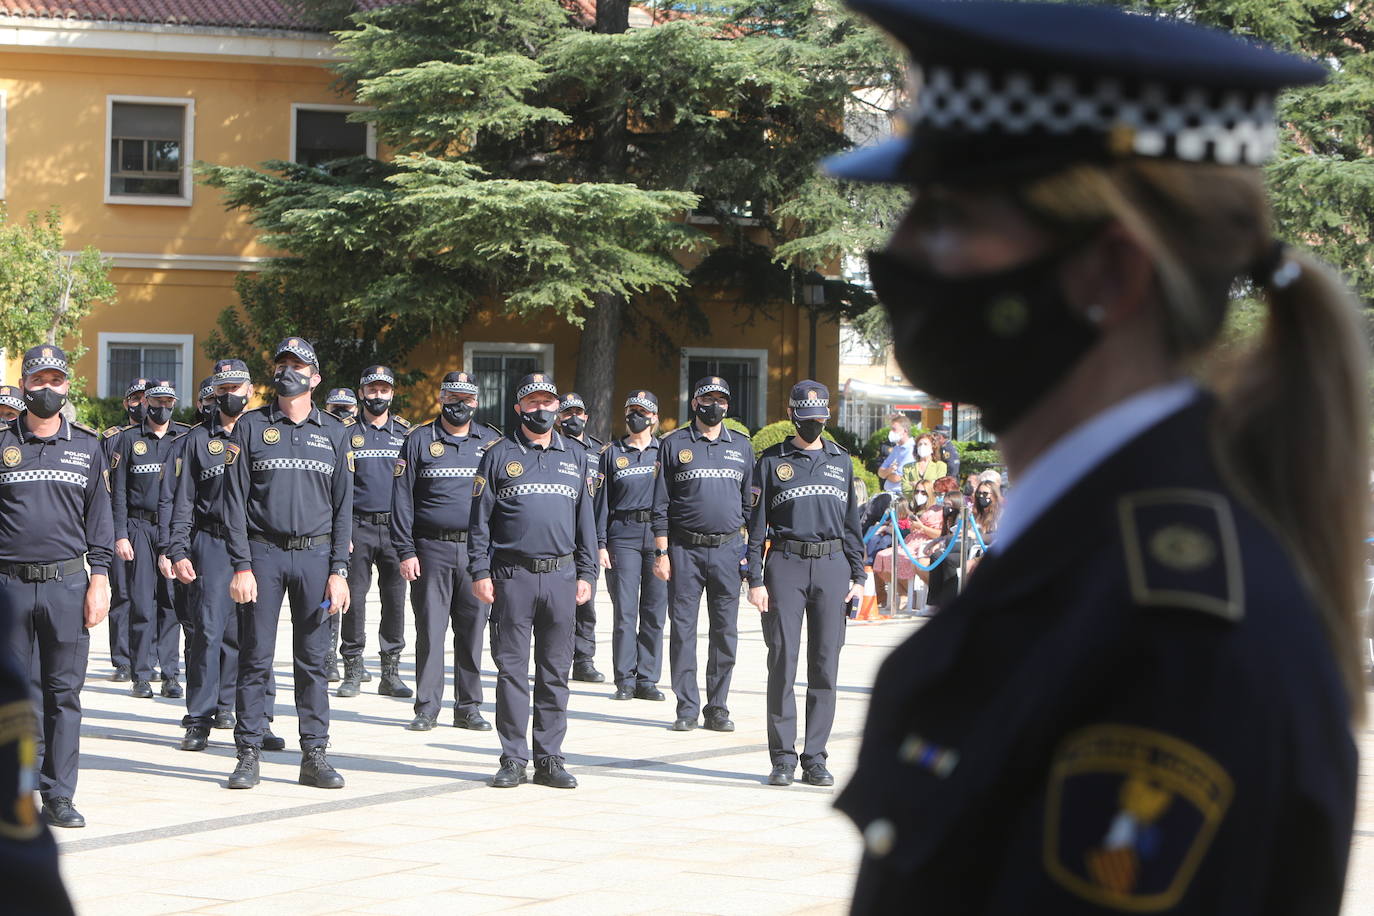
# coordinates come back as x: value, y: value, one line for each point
x: 685, y: 395
x: 187, y: 342
x: 311, y: 106
x: 544, y: 349
x: 188, y: 152
x: 4, y: 138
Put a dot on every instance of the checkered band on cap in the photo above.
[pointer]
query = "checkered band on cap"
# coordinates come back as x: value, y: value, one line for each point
x: 10, y: 396
x: 710, y: 384
x: 137, y: 385
x: 44, y: 357
x: 459, y: 382
x: 570, y: 400
x: 207, y: 388
x: 230, y: 370
x: 300, y: 348
x: 1146, y: 118
x: 341, y: 396
x: 377, y: 374
x: 537, y: 382
x: 643, y: 399
x: 161, y: 389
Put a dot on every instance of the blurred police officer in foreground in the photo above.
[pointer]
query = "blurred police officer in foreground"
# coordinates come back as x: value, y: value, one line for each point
x: 11, y: 403
x: 342, y: 403
x: 700, y: 502
x: 54, y: 520
x: 432, y: 504
x: 625, y: 536
x: 1156, y: 714
x: 376, y: 443
x: 288, y: 505
x: 572, y: 420
x: 137, y: 457
x: 119, y: 584
x: 803, y: 491
x: 532, y: 555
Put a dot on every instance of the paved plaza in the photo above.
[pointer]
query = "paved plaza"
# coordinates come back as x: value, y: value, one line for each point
x: 662, y: 822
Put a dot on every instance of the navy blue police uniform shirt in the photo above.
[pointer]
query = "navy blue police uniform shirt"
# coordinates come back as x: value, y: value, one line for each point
x: 594, y: 447
x: 628, y: 479
x: 1146, y: 718
x: 432, y: 482
x: 166, y: 493
x: 804, y: 495
x: 375, y: 450
x: 533, y: 503
x: 704, y: 483
x: 288, y: 480
x: 198, y: 494
x: 136, y: 462
x: 54, y: 497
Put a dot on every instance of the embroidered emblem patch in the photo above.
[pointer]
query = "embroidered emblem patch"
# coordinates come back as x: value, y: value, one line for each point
x: 271, y: 435
x: 12, y: 456
x: 1130, y: 814
x: 622, y: 462
x: 754, y: 494
x: 358, y: 441
x: 436, y: 449
x: 176, y: 472
x: 785, y: 472
x: 399, y: 468
x: 479, y: 483
x: 140, y: 447
x: 231, y: 454
x: 1183, y: 548
x: 114, y: 460
x: 685, y: 456
x: 215, y: 446
x: 514, y: 469
x: 348, y: 457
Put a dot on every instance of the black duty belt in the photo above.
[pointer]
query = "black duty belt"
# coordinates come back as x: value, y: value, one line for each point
x: 42, y: 572
x: 373, y: 518
x: 697, y: 539
x: 289, y: 543
x: 455, y: 535
x: 214, y: 529
x: 811, y: 550
x: 143, y: 514
x: 633, y: 515
x: 534, y: 564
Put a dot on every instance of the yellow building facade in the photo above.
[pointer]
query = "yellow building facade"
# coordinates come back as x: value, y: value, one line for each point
x: 104, y: 121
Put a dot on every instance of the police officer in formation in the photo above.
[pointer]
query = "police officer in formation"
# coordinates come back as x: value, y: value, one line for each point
x: 54, y: 521
x: 803, y: 500
x: 532, y: 556
x: 376, y: 443
x: 700, y: 503
x: 137, y: 457
x: 288, y: 506
x: 119, y: 580
x: 572, y: 420
x: 431, y: 508
x: 625, y: 538
x: 11, y: 403
x: 342, y: 403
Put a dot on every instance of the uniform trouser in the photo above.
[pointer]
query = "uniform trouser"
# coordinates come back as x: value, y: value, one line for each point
x: 372, y: 545
x: 118, y: 619
x: 584, y: 631
x: 212, y: 650
x: 640, y: 600
x: 443, y: 595
x: 299, y: 576
x: 154, y: 630
x: 816, y: 588
x: 715, y: 570
x: 51, y: 616
x: 544, y: 604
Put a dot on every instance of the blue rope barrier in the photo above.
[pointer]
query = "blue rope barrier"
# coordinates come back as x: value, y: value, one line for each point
x: 953, y: 539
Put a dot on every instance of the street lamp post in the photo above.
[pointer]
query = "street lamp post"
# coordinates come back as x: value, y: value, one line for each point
x: 813, y: 297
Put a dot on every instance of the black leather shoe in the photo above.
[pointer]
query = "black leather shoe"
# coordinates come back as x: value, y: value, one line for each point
x: 59, y: 812
x: 245, y: 775
x: 683, y: 724
x: 171, y: 688
x: 473, y: 721
x: 224, y: 719
x: 648, y: 692
x: 509, y: 776
x: 156, y: 676
x: 781, y: 775
x: 197, y: 736
x: 817, y: 775
x: 421, y: 723
x: 586, y: 671
x: 271, y: 742
x: 549, y: 772
x: 624, y: 693
x: 122, y: 674
x: 316, y: 771
x: 720, y: 723
x: 141, y: 689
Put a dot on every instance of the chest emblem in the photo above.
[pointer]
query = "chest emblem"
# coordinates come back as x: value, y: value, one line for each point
x: 12, y: 456
x: 140, y: 447
x: 622, y: 462
x: 1183, y: 548
x: 685, y: 456
x: 215, y: 447
x: 271, y: 435
x: 436, y: 449
x: 358, y: 441
x: 514, y: 469
x: 785, y: 472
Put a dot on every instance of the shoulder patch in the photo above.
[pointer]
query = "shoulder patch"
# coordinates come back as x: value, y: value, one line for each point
x: 348, y: 421
x: 1182, y: 551
x: 231, y: 453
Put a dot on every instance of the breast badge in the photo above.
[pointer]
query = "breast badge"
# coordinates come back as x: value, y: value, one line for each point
x: 514, y: 469
x: 685, y: 456
x: 140, y: 447
x: 271, y: 435
x: 785, y: 472
x: 215, y: 446
x: 12, y: 456
x: 436, y: 449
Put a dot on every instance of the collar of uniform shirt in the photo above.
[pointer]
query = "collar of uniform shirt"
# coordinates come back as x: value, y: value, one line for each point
x: 437, y: 431
x: 64, y: 431
x: 827, y: 447
x: 698, y: 435
x: 1080, y: 451
x: 625, y: 443
x: 275, y: 415
x: 525, y: 444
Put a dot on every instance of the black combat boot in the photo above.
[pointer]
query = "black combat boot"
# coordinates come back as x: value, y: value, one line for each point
x: 391, y: 684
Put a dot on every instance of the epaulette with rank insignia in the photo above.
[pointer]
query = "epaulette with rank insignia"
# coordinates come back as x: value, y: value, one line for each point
x: 1182, y: 551
x: 347, y: 421
x: 494, y: 428
x: 184, y: 426
x: 84, y: 428
x: 113, y: 431
x: 403, y: 421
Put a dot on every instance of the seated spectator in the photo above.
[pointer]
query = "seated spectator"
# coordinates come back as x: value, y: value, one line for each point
x: 925, y: 466
x: 943, y: 579
x: 882, y: 538
x: 925, y: 524
x: 987, y: 511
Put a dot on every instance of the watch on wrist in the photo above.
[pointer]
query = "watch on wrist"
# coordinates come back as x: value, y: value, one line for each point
x: 341, y: 572
x: 659, y: 552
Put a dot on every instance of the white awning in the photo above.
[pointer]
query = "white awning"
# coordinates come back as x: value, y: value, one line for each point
x: 888, y: 394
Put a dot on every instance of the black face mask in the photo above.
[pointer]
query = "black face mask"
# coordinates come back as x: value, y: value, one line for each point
x: 135, y: 412
x: 710, y: 414
x: 208, y: 412
x: 457, y: 413
x: 1029, y: 337
x: 809, y: 430
x: 231, y: 405
x: 538, y: 421
x: 983, y: 500
x: 159, y: 415
x: 44, y: 402
x: 636, y: 422
x: 377, y: 406
x: 342, y: 413
x: 290, y: 382
x: 574, y: 426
